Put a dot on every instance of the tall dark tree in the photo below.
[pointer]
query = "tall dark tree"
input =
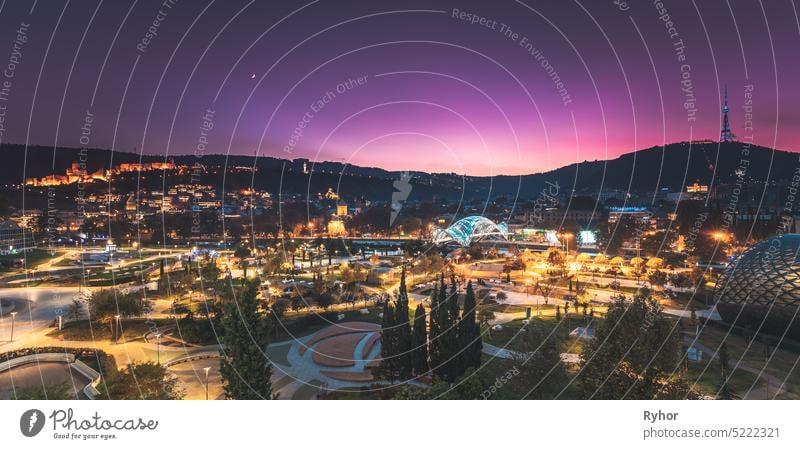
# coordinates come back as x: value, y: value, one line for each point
x: 441, y: 330
x: 388, y: 342
x: 434, y: 338
x: 245, y: 370
x: 449, y: 366
x: 403, y: 347
x: 724, y: 390
x: 469, y: 333
x: 419, y: 341
x: 452, y: 299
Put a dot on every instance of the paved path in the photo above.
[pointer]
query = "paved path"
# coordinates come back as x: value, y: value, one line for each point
x: 508, y: 354
x: 773, y: 386
x: 709, y: 314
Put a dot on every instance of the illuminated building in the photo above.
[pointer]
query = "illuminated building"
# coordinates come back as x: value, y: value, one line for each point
x: 641, y: 214
x: 336, y: 228
x: 331, y: 195
x: 76, y: 173
x: 697, y: 188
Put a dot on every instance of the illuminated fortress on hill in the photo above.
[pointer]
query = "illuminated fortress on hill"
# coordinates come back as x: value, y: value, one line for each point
x: 76, y: 173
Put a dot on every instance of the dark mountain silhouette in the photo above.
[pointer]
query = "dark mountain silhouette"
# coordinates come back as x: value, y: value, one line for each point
x: 671, y: 166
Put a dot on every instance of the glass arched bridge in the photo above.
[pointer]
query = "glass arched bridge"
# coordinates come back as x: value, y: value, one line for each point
x: 468, y: 230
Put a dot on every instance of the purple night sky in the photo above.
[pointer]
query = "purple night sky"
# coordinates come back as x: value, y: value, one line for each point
x: 437, y: 93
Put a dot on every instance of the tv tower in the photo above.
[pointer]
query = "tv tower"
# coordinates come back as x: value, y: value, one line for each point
x: 726, y: 135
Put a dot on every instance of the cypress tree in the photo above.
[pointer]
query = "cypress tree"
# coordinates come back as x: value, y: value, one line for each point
x: 403, y: 345
x: 388, y: 342
x: 439, y: 329
x: 420, y: 342
x: 453, y: 301
x: 450, y: 339
x: 469, y: 334
x: 244, y: 368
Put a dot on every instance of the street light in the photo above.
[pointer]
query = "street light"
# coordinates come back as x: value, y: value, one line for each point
x: 158, y: 348
x: 13, y: 318
x: 206, y: 369
x: 566, y: 236
x: 117, y: 328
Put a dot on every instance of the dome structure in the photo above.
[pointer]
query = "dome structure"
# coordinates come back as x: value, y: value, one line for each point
x: 468, y: 230
x: 761, y: 289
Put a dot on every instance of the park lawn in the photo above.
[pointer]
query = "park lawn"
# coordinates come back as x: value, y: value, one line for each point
x: 511, y: 336
x: 504, y: 308
x: 312, y: 327
x: 83, y: 330
x: 518, y: 387
x: 784, y: 363
x: 369, y: 392
x: 33, y: 258
x: 707, y: 383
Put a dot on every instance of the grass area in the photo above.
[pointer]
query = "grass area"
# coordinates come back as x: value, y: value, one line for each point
x: 115, y: 276
x: 84, y: 330
x: 783, y: 361
x: 370, y: 392
x: 310, y: 322
x: 507, y: 308
x: 110, y: 274
x: 707, y: 382
x: 518, y: 386
x: 511, y: 336
x: 32, y: 258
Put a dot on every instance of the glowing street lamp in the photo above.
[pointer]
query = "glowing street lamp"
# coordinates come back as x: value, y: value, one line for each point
x: 206, y: 369
x: 158, y: 349
x: 13, y: 318
x: 117, y: 328
x: 566, y: 236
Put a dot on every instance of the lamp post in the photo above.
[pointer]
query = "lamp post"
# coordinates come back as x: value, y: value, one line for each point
x: 206, y: 369
x: 158, y: 348
x: 566, y: 236
x: 13, y: 318
x: 116, y: 329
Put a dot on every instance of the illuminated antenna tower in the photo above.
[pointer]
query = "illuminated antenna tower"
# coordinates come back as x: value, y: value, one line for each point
x: 726, y: 135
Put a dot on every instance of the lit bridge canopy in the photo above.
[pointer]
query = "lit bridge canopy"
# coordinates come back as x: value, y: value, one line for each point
x: 469, y: 230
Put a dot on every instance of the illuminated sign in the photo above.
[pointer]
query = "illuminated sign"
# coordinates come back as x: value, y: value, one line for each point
x: 587, y: 237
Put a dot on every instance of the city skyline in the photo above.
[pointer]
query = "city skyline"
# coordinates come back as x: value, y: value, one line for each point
x: 512, y: 89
